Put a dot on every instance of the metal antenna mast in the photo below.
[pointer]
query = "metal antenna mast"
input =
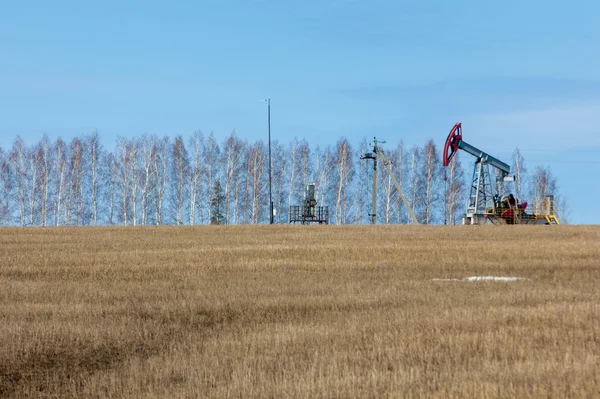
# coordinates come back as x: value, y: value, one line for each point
x: 270, y: 190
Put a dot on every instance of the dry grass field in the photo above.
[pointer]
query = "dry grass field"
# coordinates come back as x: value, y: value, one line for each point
x: 300, y: 311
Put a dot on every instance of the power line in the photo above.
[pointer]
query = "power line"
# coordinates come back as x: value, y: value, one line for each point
x: 571, y: 162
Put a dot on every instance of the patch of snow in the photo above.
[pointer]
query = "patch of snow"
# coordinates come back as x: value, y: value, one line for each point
x: 482, y: 278
x: 493, y: 278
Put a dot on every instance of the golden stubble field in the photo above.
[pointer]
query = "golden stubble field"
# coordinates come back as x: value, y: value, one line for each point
x: 299, y: 311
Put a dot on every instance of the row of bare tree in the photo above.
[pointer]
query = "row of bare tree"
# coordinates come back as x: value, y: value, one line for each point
x: 161, y: 180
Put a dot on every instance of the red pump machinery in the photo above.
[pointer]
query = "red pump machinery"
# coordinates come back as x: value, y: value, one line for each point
x: 486, y: 204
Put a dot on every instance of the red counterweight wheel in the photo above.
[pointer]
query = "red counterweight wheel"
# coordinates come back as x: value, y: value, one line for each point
x: 451, y: 146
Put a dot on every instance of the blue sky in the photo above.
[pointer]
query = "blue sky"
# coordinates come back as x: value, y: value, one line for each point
x: 515, y: 73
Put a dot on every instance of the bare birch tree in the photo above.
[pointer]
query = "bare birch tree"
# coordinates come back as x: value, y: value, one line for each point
x: 233, y: 168
x: 280, y: 170
x: 389, y: 201
x: 322, y: 171
x: 455, y: 194
x: 294, y: 156
x: 344, y: 168
x: 6, y: 188
x: 75, y: 201
x: 196, y: 143
x: 306, y: 166
x: 415, y: 181
x: 210, y: 156
x: 256, y: 169
x: 519, y: 171
x: 18, y: 159
x: 34, y: 162
x: 134, y: 187
x: 399, y: 170
x: 60, y: 180
x: 95, y: 152
x: 45, y: 155
x: 180, y: 171
x: 240, y: 182
x: 431, y: 178
x: 147, y: 160
x: 125, y: 179
x: 160, y: 170
x: 111, y: 192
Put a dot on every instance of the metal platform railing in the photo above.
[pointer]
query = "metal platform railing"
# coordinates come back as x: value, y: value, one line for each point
x: 309, y: 214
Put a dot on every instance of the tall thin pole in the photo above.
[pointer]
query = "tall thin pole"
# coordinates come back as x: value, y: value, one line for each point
x: 270, y: 190
x: 374, y: 201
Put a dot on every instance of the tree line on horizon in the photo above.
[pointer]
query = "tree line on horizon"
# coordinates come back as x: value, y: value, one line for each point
x: 151, y: 180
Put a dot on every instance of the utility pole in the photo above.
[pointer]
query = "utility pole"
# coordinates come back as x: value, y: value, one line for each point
x: 373, y: 156
x: 377, y: 151
x: 270, y: 189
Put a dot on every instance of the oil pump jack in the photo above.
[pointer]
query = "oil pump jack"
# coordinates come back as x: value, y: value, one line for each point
x: 378, y: 152
x: 486, y: 205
